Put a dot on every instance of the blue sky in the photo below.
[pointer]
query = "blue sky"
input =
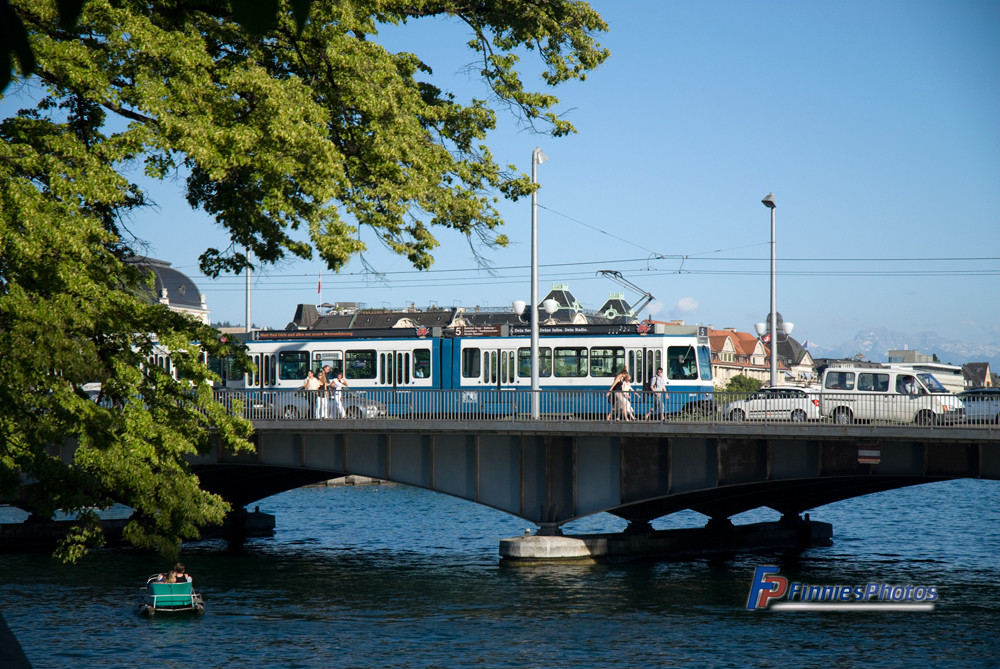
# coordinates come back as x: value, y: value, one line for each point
x: 873, y: 123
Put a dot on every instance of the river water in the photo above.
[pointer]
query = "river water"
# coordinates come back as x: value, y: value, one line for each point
x: 393, y: 576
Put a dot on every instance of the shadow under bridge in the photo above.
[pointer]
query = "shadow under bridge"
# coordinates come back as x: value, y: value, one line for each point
x: 550, y: 474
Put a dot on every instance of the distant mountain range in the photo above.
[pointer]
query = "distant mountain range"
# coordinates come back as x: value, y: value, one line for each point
x: 876, y: 343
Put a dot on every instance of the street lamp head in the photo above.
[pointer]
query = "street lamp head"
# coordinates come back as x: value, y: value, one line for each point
x: 769, y: 201
x: 787, y: 327
x: 538, y: 156
x: 761, y: 328
x: 550, y: 306
x: 519, y: 306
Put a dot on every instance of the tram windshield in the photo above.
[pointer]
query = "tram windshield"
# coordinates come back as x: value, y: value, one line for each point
x: 681, y: 363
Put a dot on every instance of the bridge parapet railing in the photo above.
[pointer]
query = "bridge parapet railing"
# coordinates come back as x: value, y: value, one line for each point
x: 494, y: 404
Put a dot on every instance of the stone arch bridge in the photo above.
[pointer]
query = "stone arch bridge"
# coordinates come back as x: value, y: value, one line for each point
x: 552, y: 473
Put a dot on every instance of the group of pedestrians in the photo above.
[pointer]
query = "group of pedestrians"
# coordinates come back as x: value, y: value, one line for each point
x: 620, y: 396
x: 322, y: 387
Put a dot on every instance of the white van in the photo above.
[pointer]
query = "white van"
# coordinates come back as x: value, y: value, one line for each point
x: 895, y: 394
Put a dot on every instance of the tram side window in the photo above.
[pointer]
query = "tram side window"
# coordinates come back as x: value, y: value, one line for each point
x: 470, y: 363
x: 544, y: 362
x: 606, y: 361
x: 332, y: 358
x: 422, y: 363
x: 293, y: 365
x: 705, y: 362
x: 681, y: 363
x: 359, y: 364
x: 571, y: 362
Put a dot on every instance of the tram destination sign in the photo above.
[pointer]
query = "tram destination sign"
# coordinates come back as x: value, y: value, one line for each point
x: 569, y: 329
x: 478, y: 331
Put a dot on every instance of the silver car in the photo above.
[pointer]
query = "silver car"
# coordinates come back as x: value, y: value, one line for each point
x: 780, y: 403
x: 982, y: 405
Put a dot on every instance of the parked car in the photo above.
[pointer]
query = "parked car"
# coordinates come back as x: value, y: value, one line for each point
x: 296, y: 404
x: 982, y: 405
x: 893, y: 394
x: 776, y: 403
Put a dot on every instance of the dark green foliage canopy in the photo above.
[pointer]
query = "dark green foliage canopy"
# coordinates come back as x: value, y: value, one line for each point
x: 289, y: 122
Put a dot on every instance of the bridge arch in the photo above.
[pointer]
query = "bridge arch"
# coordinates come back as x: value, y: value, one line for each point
x: 550, y: 474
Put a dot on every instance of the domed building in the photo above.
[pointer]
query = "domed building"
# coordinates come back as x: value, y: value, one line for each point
x: 175, y: 289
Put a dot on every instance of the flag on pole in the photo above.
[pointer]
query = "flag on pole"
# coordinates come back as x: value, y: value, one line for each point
x: 319, y: 284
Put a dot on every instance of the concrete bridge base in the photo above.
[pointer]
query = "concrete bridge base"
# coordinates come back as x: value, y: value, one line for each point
x: 717, y: 538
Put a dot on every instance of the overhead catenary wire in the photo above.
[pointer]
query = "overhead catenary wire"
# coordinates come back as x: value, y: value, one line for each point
x: 431, y: 278
x: 269, y: 280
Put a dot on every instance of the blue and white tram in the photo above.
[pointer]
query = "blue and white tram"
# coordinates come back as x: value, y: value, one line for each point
x: 577, y: 364
x: 487, y: 369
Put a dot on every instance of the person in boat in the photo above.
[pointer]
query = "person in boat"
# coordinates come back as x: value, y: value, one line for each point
x: 176, y: 575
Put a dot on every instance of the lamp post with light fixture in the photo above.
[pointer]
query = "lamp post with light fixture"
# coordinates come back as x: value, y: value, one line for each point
x: 537, y: 158
x: 768, y: 202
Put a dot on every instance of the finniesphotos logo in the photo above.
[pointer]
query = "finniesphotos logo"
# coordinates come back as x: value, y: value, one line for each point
x: 770, y: 590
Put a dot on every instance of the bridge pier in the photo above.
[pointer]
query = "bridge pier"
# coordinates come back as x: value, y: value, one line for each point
x: 549, y: 530
x: 718, y: 537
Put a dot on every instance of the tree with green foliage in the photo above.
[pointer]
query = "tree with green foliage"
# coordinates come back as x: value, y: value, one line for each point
x: 303, y: 127
x: 741, y: 383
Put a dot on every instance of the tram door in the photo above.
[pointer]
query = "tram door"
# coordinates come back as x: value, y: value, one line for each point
x: 394, y: 377
x: 642, y: 364
x: 499, y: 369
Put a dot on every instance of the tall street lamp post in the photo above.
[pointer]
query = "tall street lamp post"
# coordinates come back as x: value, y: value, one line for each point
x: 769, y: 203
x: 537, y: 158
x: 248, y: 321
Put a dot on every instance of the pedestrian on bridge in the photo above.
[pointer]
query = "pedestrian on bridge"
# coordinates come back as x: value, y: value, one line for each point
x: 312, y: 387
x: 657, y: 385
x: 620, y: 405
x: 339, y: 384
x: 323, y: 403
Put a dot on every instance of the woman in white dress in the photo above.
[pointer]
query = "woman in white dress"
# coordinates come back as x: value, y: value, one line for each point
x: 625, y: 398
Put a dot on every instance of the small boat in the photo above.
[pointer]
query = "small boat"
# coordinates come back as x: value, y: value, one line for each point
x: 159, y: 597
